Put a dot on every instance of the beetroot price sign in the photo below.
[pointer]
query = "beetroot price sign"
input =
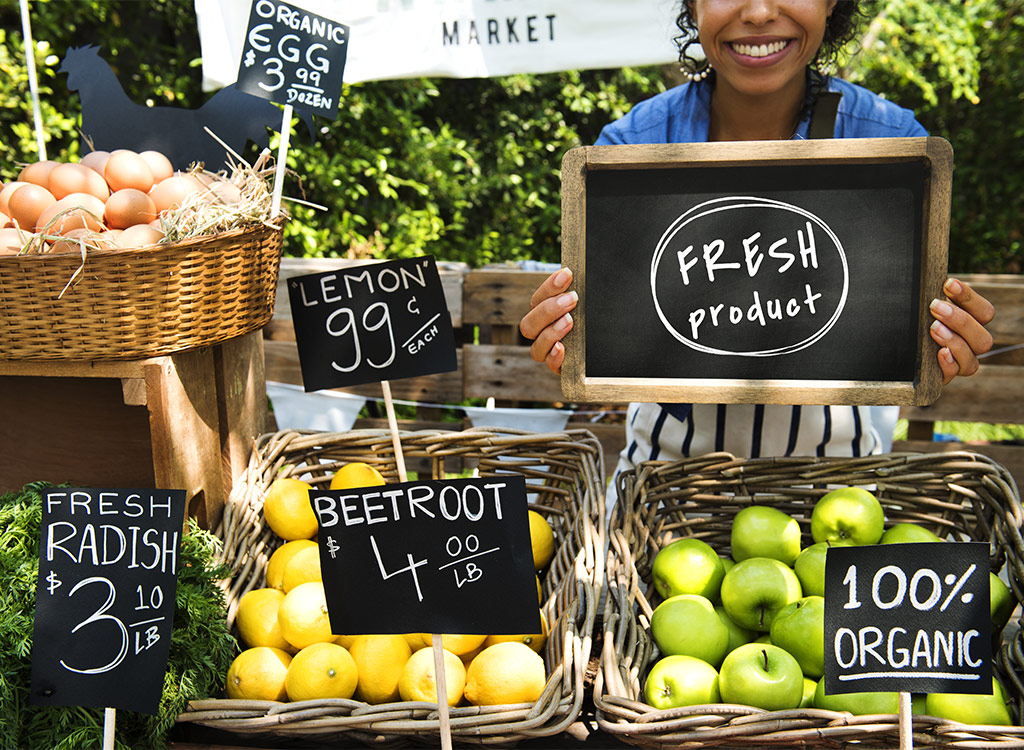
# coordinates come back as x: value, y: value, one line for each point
x: 108, y: 564
x: 911, y: 618
x: 372, y: 322
x: 438, y: 556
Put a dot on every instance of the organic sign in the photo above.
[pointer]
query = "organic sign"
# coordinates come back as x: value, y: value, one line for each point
x: 438, y: 556
x: 372, y: 322
x: 108, y: 563
x: 797, y: 272
x: 293, y: 57
x: 908, y: 618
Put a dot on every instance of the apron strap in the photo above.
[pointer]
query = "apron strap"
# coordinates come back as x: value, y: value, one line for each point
x: 823, y: 117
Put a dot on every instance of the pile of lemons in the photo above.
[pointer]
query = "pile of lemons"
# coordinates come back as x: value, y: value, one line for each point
x: 290, y: 654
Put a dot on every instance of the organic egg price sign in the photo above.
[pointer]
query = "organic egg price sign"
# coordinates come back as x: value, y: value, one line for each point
x: 108, y: 564
x: 911, y: 618
x: 371, y: 322
x: 440, y: 556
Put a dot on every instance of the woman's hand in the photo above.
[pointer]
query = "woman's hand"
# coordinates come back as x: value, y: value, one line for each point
x: 549, y: 320
x: 959, y: 329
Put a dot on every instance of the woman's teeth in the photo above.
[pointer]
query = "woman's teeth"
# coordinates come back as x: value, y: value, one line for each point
x: 759, y: 50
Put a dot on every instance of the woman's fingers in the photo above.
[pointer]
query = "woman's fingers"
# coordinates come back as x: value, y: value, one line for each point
x: 959, y: 329
x: 549, y: 319
x: 554, y: 284
x: 548, y: 347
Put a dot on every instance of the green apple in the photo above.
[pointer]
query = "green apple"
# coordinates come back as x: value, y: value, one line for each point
x: 688, y: 624
x: 807, y: 701
x: 756, y: 589
x: 737, y: 635
x: 678, y: 680
x: 991, y: 709
x: 763, y: 531
x: 917, y: 704
x: 810, y: 566
x: 763, y: 638
x: 907, y: 533
x: 859, y: 704
x: 848, y: 513
x: 761, y: 675
x: 1001, y: 602
x: 799, y: 627
x: 727, y: 562
x: 687, y: 566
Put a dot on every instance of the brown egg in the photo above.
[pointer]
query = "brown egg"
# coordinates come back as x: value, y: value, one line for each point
x: 69, y: 243
x: 126, y: 169
x: 95, y: 160
x: 38, y: 173
x: 139, y: 236
x: 128, y: 207
x: 66, y: 179
x: 5, y: 194
x: 75, y: 211
x: 5, y: 221
x: 27, y: 203
x: 11, y: 241
x: 170, y: 193
x: 225, y: 192
x: 159, y: 165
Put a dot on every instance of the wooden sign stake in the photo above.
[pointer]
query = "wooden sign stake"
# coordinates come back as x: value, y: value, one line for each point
x: 906, y: 722
x: 33, y: 84
x: 282, y: 157
x: 439, y: 671
x: 109, y: 717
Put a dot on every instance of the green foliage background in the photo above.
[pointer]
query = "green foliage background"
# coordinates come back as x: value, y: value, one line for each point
x: 468, y: 170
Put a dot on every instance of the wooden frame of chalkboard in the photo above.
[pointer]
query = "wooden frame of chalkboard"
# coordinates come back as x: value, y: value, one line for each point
x: 791, y: 272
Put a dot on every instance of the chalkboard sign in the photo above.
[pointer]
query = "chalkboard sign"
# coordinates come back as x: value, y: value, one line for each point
x: 430, y: 556
x: 108, y: 564
x: 372, y: 322
x: 292, y: 56
x: 910, y: 618
x: 766, y: 272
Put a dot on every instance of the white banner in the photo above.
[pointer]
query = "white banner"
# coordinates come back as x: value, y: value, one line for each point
x: 461, y: 38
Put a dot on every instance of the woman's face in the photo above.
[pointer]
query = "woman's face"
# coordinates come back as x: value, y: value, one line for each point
x: 760, y: 46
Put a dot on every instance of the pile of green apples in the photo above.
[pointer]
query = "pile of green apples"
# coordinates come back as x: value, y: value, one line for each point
x: 749, y: 629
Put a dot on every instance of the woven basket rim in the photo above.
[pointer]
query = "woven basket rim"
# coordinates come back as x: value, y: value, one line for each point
x: 633, y: 539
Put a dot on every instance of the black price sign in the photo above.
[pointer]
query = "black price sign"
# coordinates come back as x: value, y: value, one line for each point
x: 293, y: 57
x: 108, y: 563
x: 372, y: 322
x: 438, y: 556
x: 908, y: 618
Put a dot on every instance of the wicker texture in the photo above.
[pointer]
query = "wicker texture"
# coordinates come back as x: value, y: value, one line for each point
x: 139, y: 302
x: 564, y: 473
x: 961, y: 496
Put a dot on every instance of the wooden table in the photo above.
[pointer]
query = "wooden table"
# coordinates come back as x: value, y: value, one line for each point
x: 181, y: 421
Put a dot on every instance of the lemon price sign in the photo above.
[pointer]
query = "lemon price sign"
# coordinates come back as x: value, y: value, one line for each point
x: 105, y: 593
x: 439, y: 556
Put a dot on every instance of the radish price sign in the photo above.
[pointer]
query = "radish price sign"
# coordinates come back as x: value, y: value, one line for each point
x: 911, y: 618
x: 108, y: 564
x: 438, y: 556
x: 293, y: 57
x: 371, y: 322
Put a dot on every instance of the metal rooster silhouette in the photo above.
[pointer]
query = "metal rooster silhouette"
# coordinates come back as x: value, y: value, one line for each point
x: 111, y: 120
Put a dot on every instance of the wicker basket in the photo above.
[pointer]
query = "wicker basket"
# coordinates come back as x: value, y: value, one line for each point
x: 564, y: 473
x: 139, y: 302
x: 962, y: 496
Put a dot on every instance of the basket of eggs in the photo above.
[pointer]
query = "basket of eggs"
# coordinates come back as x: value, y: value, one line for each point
x: 118, y: 256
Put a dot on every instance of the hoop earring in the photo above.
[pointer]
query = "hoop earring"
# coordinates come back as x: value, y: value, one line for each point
x: 696, y: 72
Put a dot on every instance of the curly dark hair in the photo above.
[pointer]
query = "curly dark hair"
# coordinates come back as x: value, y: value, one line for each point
x: 840, y: 29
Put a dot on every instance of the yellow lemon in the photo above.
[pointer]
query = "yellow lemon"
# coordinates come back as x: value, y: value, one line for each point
x: 256, y: 619
x: 379, y: 660
x: 535, y: 641
x: 415, y: 640
x: 258, y: 674
x: 303, y: 567
x: 287, y: 509
x: 457, y: 644
x: 321, y: 670
x: 542, y: 539
x: 419, y: 678
x: 280, y: 559
x: 470, y: 655
x: 356, y: 474
x: 505, y: 673
x: 345, y: 641
x: 540, y: 596
x: 303, y: 615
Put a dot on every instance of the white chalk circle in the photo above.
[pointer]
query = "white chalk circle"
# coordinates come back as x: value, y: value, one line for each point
x: 717, y: 206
